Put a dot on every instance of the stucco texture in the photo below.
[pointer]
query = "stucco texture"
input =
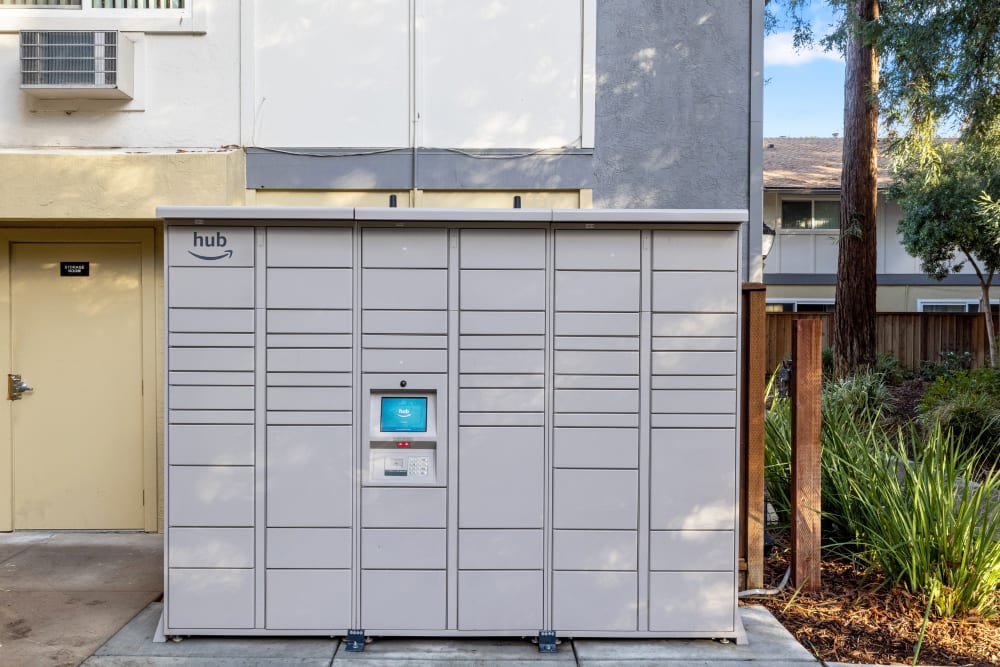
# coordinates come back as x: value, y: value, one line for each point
x: 112, y: 185
x: 673, y: 104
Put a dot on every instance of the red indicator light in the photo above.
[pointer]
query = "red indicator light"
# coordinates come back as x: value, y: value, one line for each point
x: 402, y: 444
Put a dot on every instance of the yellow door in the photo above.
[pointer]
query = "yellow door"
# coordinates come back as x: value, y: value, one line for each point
x: 76, y: 338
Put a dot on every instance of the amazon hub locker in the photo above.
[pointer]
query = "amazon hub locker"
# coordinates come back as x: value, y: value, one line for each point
x: 452, y: 422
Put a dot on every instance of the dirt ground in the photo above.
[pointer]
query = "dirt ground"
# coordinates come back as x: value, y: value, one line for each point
x: 850, y: 620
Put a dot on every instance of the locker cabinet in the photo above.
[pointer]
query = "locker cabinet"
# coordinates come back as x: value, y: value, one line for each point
x: 440, y: 422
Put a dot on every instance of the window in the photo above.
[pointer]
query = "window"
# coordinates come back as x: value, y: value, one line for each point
x: 47, y: 4
x: 954, y: 305
x: 799, y: 306
x: 810, y: 214
x: 160, y: 16
x: 94, y: 4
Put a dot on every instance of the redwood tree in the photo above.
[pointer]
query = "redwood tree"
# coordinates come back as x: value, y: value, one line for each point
x: 853, y: 338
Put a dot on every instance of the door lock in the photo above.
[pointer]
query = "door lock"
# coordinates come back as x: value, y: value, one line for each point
x: 16, y: 386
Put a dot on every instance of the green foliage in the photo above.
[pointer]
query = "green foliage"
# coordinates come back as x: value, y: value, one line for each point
x: 891, y: 370
x: 967, y: 404
x: 938, y: 60
x: 826, y: 359
x: 941, y: 195
x: 926, y: 526
x: 939, y: 64
x: 851, y: 409
x: 921, y: 522
x: 856, y: 396
x: 948, y: 364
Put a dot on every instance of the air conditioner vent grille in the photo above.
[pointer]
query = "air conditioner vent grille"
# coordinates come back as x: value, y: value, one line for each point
x: 70, y: 59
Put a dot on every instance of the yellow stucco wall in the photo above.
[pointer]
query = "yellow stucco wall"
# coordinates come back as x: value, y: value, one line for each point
x: 87, y: 185
x: 95, y: 189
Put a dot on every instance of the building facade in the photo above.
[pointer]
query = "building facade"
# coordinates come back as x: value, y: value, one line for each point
x: 802, y: 204
x: 412, y: 103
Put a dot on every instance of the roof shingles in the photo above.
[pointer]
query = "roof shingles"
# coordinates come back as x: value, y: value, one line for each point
x: 810, y: 164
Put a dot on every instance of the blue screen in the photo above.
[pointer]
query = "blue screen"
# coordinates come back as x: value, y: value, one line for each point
x: 400, y: 415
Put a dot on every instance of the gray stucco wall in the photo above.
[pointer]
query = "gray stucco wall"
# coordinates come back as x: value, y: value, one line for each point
x: 673, y: 122
x: 673, y: 104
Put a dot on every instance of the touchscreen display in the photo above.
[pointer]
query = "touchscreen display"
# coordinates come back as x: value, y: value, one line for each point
x: 403, y: 414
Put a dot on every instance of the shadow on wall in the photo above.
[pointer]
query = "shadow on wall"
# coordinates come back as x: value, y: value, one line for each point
x: 673, y: 104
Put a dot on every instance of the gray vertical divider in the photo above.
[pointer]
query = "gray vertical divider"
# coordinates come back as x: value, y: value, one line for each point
x: 357, y: 429
x: 645, y: 391
x: 549, y: 383
x: 454, y: 275
x: 737, y: 535
x: 165, y: 461
x: 260, y: 426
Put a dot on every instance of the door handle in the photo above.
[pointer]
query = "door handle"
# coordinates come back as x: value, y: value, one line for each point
x: 16, y: 386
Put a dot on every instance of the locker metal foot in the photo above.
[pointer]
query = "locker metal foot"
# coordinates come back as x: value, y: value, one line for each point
x: 355, y: 642
x: 547, y: 642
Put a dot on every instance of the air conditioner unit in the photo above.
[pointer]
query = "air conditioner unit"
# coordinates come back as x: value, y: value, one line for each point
x: 76, y: 63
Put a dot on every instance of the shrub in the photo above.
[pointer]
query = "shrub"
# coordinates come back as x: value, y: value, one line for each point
x: 928, y: 527
x: 950, y: 362
x: 891, y: 370
x: 967, y: 403
x: 850, y: 419
x: 923, y: 522
x: 861, y: 395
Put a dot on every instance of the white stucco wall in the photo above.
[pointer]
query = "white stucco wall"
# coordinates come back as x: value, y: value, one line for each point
x: 434, y: 73
x: 187, y: 84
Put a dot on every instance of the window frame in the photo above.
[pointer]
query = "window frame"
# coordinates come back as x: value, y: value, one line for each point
x: 189, y: 20
x: 812, y: 202
x: 796, y: 302
x: 967, y: 303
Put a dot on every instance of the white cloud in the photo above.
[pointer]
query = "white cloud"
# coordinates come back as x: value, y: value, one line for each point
x: 780, y: 50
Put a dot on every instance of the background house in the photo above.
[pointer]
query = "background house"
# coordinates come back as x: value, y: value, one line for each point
x: 802, y: 203
x: 425, y: 103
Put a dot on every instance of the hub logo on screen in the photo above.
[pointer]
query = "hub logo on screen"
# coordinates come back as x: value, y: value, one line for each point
x: 403, y: 415
x: 209, y: 241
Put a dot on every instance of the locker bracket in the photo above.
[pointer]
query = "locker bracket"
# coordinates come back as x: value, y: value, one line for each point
x: 355, y: 642
x: 547, y: 642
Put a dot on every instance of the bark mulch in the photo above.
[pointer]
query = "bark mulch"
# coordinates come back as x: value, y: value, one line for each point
x: 851, y: 620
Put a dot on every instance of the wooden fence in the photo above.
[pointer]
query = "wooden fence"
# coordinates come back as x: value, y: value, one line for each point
x: 912, y: 338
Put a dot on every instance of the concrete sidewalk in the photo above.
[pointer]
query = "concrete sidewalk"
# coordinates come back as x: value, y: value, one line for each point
x: 63, y: 594
x: 770, y: 644
x: 66, y: 597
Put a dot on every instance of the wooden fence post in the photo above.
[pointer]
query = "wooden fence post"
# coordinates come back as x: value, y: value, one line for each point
x: 806, y: 386
x: 752, y: 426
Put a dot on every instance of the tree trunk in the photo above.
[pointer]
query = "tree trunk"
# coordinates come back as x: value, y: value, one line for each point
x: 987, y: 310
x: 854, y: 313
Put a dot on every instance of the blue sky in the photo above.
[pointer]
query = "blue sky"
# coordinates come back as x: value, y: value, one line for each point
x: 804, y: 90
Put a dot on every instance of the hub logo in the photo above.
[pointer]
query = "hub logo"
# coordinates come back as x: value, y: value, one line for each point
x: 210, y: 241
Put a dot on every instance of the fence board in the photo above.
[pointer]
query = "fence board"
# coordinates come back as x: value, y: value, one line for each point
x: 912, y: 338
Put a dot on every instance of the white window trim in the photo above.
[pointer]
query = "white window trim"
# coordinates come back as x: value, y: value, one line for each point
x: 806, y: 301
x: 921, y: 303
x: 190, y: 20
x: 779, y: 222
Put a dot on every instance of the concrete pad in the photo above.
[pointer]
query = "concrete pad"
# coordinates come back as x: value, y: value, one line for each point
x: 58, y: 628
x: 133, y: 645
x: 769, y: 643
x: 12, y: 544
x: 87, y: 562
x: 426, y: 652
